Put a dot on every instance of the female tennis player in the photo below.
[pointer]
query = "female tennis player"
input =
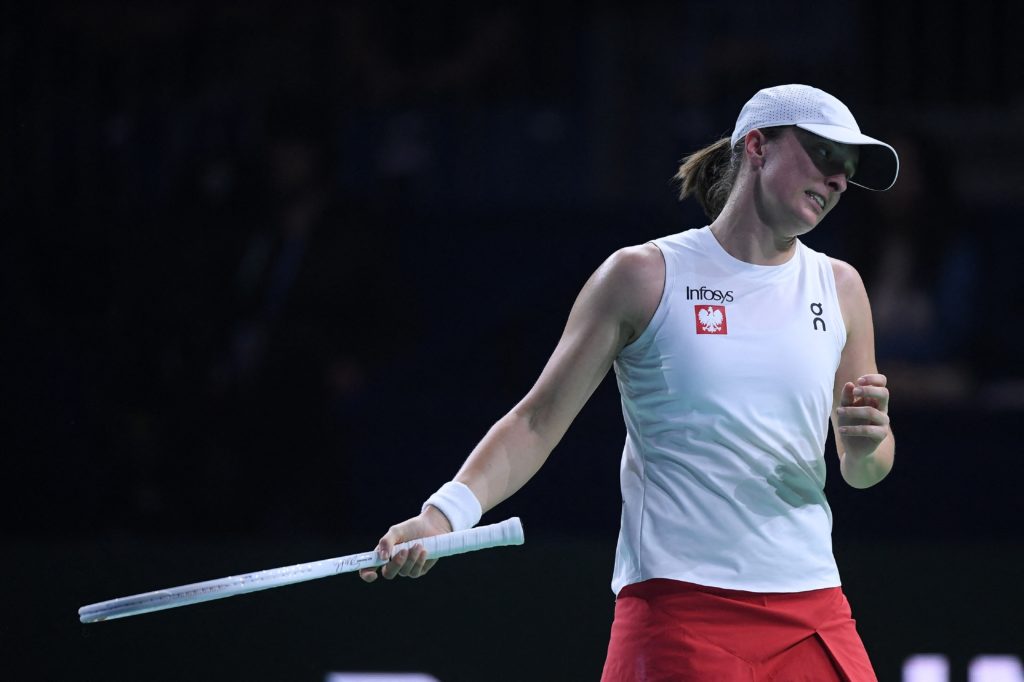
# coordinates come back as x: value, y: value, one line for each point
x: 733, y: 345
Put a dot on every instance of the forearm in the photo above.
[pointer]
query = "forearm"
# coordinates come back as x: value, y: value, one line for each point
x: 511, y: 452
x: 864, y: 471
x: 508, y: 456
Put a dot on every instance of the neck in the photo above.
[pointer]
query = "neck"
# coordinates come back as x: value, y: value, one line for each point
x: 746, y: 235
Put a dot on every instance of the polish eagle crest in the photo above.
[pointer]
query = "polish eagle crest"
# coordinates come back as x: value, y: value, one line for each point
x: 710, y: 319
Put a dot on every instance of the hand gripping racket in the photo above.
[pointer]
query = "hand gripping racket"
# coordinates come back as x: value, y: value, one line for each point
x: 508, y: 532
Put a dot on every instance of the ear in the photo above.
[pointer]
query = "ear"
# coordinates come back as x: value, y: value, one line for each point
x: 753, y: 145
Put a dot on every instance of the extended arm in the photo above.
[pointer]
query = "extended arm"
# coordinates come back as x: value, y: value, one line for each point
x: 612, y: 309
x: 860, y: 410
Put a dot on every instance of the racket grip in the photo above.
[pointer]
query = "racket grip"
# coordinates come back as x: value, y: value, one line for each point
x: 508, y: 532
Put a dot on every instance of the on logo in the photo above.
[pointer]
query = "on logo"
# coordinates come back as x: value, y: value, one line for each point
x: 710, y: 319
x: 817, y: 311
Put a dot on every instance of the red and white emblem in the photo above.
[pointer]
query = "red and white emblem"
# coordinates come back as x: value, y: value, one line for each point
x: 710, y: 319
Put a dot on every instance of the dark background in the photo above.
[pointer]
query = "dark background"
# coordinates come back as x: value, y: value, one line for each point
x: 269, y: 272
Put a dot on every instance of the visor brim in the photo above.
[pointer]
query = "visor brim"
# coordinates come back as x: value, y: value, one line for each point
x: 879, y: 164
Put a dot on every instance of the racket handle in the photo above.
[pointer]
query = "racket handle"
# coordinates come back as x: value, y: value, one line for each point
x: 508, y: 532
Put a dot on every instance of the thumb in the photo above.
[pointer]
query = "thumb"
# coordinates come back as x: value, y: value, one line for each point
x: 385, y: 546
x: 411, y: 529
x: 846, y: 397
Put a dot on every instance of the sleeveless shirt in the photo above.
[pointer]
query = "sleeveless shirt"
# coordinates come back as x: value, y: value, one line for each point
x: 726, y: 398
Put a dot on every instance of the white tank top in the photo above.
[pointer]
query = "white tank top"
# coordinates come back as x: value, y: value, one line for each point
x: 726, y: 397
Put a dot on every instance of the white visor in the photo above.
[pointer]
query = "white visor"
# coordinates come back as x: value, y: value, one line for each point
x: 820, y: 113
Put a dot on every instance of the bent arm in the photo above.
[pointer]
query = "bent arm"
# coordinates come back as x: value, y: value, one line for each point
x: 613, y: 309
x: 860, y: 406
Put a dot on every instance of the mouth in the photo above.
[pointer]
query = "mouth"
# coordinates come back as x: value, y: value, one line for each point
x: 818, y: 199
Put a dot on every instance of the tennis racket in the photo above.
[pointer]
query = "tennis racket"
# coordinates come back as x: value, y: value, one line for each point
x: 508, y: 532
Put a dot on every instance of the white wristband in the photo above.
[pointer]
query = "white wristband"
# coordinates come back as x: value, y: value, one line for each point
x: 458, y: 503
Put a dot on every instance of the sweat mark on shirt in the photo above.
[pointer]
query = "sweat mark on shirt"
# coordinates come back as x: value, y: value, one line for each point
x: 786, y: 488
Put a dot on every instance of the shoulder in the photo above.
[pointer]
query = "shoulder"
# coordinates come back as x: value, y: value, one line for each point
x: 636, y: 270
x: 631, y: 281
x: 636, y: 263
x: 853, y: 297
x: 848, y: 280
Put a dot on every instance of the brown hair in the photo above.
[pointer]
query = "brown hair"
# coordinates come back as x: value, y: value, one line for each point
x: 711, y: 172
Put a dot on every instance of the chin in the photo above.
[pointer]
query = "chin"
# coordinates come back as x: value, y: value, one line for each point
x: 805, y: 222
x: 812, y: 220
x: 801, y: 228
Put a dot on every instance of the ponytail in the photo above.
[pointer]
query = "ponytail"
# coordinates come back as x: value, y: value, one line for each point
x: 709, y: 174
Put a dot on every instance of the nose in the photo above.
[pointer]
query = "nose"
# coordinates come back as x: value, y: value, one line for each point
x: 837, y: 182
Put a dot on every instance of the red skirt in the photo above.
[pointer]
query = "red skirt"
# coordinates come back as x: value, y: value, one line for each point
x: 680, y: 632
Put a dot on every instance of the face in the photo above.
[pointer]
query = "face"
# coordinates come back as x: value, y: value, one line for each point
x: 806, y: 175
